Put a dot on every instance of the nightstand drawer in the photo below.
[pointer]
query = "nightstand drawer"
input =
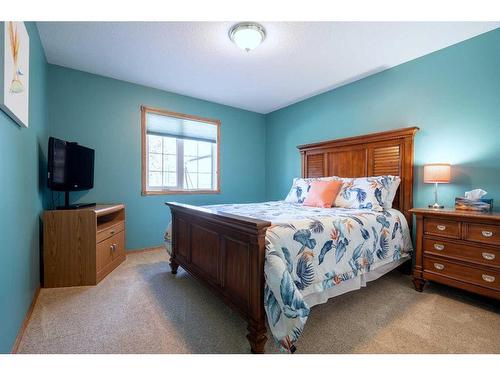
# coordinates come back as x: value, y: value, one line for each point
x: 444, y: 228
x: 461, y: 251
x: 483, y: 233
x: 464, y: 273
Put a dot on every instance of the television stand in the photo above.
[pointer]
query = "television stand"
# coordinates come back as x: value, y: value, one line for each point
x: 75, y: 206
x: 80, y: 247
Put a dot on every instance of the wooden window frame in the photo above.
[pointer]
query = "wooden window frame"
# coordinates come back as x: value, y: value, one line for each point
x: 144, y: 152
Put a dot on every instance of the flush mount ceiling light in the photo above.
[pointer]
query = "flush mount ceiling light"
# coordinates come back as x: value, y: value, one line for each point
x: 247, y: 35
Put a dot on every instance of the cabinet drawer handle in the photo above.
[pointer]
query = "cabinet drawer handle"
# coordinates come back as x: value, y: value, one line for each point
x: 111, y: 248
x: 438, y: 246
x: 439, y: 266
x: 488, y: 278
x: 488, y: 256
x: 441, y: 227
x: 112, y: 231
x: 114, y: 247
x: 487, y: 233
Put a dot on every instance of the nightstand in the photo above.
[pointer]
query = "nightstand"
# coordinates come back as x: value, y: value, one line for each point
x: 458, y: 248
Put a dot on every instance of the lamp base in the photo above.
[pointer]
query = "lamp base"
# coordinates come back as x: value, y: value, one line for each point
x: 436, y: 206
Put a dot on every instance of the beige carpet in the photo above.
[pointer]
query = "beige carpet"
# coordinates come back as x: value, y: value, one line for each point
x: 142, y: 308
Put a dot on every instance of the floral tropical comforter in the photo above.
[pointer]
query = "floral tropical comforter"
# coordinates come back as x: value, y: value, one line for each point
x: 310, y: 250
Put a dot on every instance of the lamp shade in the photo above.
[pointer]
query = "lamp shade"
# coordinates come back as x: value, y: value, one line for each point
x: 440, y: 173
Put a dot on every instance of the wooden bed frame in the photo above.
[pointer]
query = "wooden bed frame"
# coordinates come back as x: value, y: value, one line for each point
x: 226, y: 252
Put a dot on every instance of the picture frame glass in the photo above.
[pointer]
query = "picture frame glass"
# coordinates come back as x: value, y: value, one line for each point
x: 14, y: 77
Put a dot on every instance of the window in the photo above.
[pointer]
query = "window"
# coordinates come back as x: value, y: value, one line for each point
x: 180, y: 153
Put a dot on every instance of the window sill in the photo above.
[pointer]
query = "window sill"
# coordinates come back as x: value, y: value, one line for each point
x: 179, y: 192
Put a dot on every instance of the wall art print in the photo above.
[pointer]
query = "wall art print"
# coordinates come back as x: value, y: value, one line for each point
x: 14, y: 71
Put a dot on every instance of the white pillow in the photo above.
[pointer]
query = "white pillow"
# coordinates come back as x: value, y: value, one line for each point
x: 364, y: 192
x: 300, y: 188
x: 393, y: 188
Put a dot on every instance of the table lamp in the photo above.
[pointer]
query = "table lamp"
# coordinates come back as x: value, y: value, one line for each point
x: 438, y: 173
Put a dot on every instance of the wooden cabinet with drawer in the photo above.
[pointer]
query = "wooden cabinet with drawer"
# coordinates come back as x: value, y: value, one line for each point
x: 458, y: 248
x: 488, y: 234
x: 440, y: 227
x: 82, y: 246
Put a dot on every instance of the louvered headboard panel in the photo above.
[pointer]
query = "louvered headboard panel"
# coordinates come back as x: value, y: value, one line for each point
x: 376, y: 154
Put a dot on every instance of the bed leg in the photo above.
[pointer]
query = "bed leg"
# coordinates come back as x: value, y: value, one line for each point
x: 257, y: 337
x: 419, y: 284
x: 173, y: 266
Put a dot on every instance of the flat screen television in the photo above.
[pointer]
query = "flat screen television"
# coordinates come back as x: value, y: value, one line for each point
x: 70, y: 168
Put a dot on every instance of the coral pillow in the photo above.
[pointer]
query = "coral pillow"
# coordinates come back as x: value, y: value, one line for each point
x: 322, y: 193
x: 300, y: 188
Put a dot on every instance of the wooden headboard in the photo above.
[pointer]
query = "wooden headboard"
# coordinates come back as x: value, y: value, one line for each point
x: 376, y: 154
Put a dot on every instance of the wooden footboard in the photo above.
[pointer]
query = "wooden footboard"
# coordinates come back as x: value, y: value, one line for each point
x: 226, y: 252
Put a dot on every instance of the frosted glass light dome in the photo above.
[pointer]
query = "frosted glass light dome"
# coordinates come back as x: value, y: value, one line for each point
x: 247, y: 35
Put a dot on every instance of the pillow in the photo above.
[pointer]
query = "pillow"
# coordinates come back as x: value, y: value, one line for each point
x: 322, y: 193
x: 393, y: 188
x: 364, y: 192
x: 298, y: 191
x: 300, y: 188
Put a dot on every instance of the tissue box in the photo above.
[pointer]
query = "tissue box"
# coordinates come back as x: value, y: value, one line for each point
x: 480, y: 205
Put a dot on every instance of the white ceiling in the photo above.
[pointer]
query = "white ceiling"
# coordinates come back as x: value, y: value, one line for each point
x: 297, y: 60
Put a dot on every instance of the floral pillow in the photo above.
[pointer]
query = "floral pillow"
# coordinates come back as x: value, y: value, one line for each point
x: 365, y: 192
x: 392, y: 192
x: 301, y: 186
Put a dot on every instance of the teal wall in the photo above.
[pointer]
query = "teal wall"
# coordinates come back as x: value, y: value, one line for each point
x: 22, y: 196
x: 453, y: 95
x: 104, y: 114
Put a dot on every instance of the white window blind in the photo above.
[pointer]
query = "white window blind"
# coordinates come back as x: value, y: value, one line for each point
x: 181, y: 153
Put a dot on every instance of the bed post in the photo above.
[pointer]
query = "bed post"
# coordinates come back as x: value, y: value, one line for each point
x: 173, y: 266
x: 257, y: 337
x: 257, y: 320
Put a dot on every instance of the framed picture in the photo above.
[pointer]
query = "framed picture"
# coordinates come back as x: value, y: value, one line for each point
x: 15, y: 71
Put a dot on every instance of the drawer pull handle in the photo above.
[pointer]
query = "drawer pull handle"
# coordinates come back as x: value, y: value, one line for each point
x: 487, y: 233
x: 441, y: 227
x: 112, y: 232
x: 439, y: 266
x: 438, y: 246
x: 488, y: 278
x: 488, y: 256
x: 111, y: 248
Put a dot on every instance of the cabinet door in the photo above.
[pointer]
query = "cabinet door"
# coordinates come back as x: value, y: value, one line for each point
x: 110, y: 253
